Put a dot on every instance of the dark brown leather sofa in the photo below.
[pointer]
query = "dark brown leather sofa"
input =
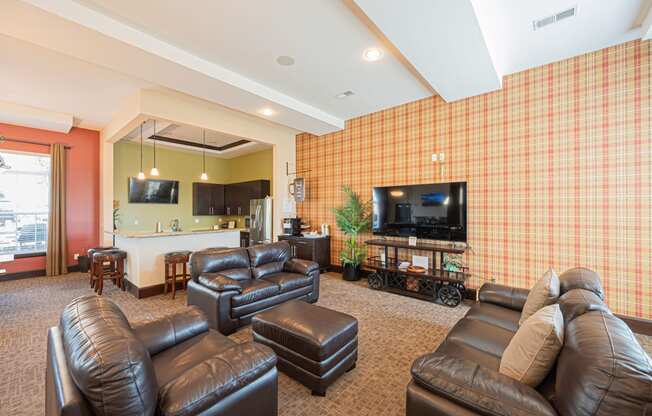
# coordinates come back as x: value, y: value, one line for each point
x: 601, y: 370
x: 231, y: 286
x: 97, y: 364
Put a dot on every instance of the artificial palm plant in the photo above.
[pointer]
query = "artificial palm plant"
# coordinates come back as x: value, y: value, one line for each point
x: 352, y: 218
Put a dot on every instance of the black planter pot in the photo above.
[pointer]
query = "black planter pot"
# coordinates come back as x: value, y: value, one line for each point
x: 351, y: 272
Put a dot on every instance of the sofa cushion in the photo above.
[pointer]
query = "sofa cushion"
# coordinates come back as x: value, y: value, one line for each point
x: 545, y: 292
x: 467, y: 352
x: 220, y: 282
x: 254, y: 290
x: 577, y: 302
x: 174, y: 361
x: 233, y: 263
x: 268, y: 258
x: 602, y: 370
x: 533, y: 350
x: 106, y: 360
x: 495, y: 315
x: 480, y: 335
x: 581, y: 278
x: 289, y: 281
x: 213, y: 379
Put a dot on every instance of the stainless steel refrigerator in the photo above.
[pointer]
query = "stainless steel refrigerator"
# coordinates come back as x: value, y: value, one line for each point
x: 260, y: 212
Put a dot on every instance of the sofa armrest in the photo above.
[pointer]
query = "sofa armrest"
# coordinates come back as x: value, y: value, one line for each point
x: 219, y: 282
x: 215, y: 305
x: 477, y: 388
x: 300, y: 266
x: 506, y: 296
x: 210, y: 381
x: 163, y: 333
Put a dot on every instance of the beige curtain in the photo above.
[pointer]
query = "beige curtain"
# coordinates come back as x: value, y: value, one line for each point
x: 56, y: 258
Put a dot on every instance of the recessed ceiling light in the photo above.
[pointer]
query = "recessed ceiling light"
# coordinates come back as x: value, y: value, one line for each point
x: 344, y: 94
x: 285, y: 60
x: 267, y: 112
x: 372, y: 54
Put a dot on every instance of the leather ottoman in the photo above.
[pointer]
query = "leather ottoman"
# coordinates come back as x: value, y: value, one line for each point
x: 314, y: 345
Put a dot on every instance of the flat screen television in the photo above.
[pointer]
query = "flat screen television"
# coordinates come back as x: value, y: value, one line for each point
x: 153, y: 191
x: 434, y: 211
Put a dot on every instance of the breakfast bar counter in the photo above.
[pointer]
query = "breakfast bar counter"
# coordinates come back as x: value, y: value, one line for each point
x: 146, y: 250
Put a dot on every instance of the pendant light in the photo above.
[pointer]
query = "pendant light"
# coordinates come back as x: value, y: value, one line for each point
x: 154, y: 171
x: 204, y: 176
x: 141, y: 174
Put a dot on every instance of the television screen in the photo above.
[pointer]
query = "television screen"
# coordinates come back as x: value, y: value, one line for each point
x: 153, y: 191
x: 434, y: 211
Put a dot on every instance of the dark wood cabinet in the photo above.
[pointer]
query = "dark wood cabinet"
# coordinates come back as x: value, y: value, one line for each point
x: 207, y: 199
x: 231, y: 199
x: 313, y: 249
x: 238, y: 195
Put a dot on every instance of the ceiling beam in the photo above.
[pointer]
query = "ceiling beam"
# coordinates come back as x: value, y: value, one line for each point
x: 443, y: 41
x: 22, y: 115
x: 73, y: 29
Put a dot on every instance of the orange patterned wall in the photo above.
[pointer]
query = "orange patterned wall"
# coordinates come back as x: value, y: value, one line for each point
x: 558, y: 165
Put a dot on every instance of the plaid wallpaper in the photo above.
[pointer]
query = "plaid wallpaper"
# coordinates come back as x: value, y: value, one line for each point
x: 558, y: 165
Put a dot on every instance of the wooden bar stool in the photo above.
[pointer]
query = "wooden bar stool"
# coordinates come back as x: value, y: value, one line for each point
x: 172, y: 260
x: 108, y: 264
x: 90, y: 253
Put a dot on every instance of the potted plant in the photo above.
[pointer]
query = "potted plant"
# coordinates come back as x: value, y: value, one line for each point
x: 353, y: 218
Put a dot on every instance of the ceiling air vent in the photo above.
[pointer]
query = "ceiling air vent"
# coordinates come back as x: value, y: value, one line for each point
x: 548, y: 20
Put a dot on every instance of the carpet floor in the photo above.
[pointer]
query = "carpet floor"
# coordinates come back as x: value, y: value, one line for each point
x: 393, y: 331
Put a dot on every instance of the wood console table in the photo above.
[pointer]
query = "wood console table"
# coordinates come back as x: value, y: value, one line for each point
x: 435, y: 285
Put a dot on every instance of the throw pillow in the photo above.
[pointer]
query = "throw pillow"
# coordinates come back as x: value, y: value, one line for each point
x: 545, y: 292
x: 533, y: 350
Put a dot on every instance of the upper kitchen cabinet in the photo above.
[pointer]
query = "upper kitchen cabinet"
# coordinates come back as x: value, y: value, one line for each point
x: 207, y: 199
x: 238, y: 195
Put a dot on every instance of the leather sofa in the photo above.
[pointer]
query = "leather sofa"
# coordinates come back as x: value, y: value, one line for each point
x: 231, y: 286
x: 601, y: 369
x: 98, y: 364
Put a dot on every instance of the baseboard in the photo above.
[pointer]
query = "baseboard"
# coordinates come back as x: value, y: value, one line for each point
x: 638, y: 325
x: 22, y: 275
x: 32, y: 273
x: 147, y: 291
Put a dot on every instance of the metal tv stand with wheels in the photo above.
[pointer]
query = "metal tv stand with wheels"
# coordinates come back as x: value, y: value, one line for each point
x: 435, y: 285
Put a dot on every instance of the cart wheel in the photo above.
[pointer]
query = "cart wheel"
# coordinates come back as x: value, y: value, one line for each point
x: 450, y: 295
x: 375, y: 281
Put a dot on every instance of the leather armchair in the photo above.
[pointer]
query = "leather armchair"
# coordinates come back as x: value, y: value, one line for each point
x: 98, y: 364
x: 601, y: 370
x: 231, y: 286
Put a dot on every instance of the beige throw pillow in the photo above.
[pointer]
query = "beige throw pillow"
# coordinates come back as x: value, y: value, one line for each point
x: 545, y: 292
x: 533, y: 350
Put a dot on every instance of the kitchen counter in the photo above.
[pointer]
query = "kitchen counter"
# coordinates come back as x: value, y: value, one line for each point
x: 146, y: 234
x: 146, y: 250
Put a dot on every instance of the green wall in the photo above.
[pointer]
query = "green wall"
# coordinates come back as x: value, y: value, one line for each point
x: 184, y: 167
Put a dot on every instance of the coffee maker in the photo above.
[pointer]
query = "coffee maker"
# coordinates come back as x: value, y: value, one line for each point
x: 292, y: 226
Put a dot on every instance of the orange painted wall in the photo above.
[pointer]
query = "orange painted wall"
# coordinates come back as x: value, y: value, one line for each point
x: 82, y: 192
x: 558, y: 165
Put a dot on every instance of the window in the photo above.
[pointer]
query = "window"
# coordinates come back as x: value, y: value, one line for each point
x: 24, y: 203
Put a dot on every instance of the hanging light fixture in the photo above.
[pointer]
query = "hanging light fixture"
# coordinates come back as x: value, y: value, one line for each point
x: 141, y: 174
x: 154, y: 171
x: 204, y: 176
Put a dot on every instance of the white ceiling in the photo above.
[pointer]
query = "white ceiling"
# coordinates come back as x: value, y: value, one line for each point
x: 41, y: 78
x: 84, y: 57
x: 515, y: 46
x: 194, y: 134
x: 324, y: 37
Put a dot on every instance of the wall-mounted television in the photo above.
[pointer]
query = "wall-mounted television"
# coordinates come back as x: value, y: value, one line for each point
x: 434, y: 211
x: 153, y: 191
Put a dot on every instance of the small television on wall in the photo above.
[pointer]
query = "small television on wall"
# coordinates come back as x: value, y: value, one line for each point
x: 434, y: 211
x: 153, y: 191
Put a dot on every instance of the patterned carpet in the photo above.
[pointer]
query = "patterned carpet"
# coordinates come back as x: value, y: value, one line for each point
x: 394, y: 330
